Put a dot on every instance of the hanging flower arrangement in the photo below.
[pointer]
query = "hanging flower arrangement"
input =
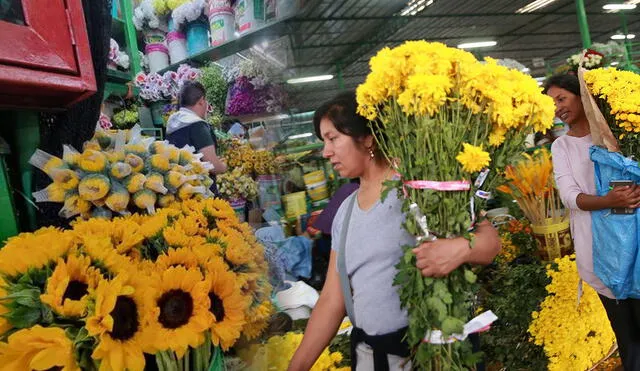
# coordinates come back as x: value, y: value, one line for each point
x: 182, y: 284
x: 155, y: 87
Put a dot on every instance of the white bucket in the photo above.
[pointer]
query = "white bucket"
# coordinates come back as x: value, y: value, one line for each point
x: 222, y: 26
x: 158, y: 56
x: 177, y: 45
x: 244, y: 15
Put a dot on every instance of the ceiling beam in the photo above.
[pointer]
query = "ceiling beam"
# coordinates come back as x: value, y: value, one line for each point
x: 434, y: 15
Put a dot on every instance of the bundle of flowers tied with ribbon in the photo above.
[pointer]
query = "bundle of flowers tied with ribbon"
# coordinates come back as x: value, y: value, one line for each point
x: 531, y: 184
x: 175, y: 289
x: 611, y: 102
x: 448, y: 123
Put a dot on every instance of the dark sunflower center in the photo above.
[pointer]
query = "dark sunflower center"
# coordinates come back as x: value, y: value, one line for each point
x: 216, y: 307
x: 75, y: 290
x: 54, y: 368
x: 176, y: 307
x: 125, y: 318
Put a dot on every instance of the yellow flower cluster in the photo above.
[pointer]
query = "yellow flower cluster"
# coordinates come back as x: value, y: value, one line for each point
x: 573, y: 337
x: 473, y: 158
x: 189, y: 277
x: 621, y: 91
x: 508, y: 251
x: 122, y: 172
x: 422, y: 77
x: 278, y: 351
x: 235, y: 184
x: 241, y: 155
x: 531, y: 184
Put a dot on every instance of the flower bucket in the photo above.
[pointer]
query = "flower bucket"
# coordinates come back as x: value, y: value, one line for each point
x: 154, y: 36
x: 295, y: 204
x: 269, y: 191
x: 554, y: 239
x: 239, y: 205
x: 156, y: 112
x: 197, y: 37
x: 158, y: 56
x: 314, y: 177
x: 245, y: 18
x: 222, y: 24
x: 177, y: 45
x: 318, y: 191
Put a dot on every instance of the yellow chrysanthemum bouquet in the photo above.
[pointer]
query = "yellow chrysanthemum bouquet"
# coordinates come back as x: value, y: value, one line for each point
x: 449, y: 124
x: 122, y: 172
x: 184, y: 285
x: 574, y: 337
x: 234, y: 185
x: 618, y: 96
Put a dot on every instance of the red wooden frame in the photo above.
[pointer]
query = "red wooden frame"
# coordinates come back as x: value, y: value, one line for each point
x: 47, y: 63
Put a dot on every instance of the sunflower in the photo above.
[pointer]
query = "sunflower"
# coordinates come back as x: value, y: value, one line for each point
x: 178, y: 313
x: 226, y: 304
x: 33, y: 250
x: 38, y: 348
x: 184, y: 257
x: 175, y: 236
x: 104, y: 256
x: 5, y: 325
x: 206, y: 251
x: 259, y: 320
x: 68, y: 287
x: 117, y: 323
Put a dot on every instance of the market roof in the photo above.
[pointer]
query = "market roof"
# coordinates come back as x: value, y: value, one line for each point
x: 339, y: 37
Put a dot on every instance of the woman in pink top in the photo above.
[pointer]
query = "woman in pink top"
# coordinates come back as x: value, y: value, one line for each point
x: 574, y: 174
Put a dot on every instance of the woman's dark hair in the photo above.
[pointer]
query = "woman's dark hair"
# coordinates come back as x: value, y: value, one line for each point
x: 341, y: 111
x: 191, y: 93
x: 567, y: 82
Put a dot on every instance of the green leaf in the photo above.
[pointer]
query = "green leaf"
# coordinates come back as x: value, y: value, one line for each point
x: 469, y: 276
x: 28, y: 297
x: 438, y: 306
x: 24, y: 317
x: 452, y: 325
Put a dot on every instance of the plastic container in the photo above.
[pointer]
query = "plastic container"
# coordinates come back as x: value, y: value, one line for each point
x: 295, y: 204
x: 158, y: 56
x: 244, y: 11
x: 314, y: 177
x: 154, y: 36
x: 222, y: 25
x: 239, y: 206
x: 554, y: 239
x: 318, y: 191
x: 269, y: 191
x: 177, y: 45
x: 197, y: 37
x: 156, y: 112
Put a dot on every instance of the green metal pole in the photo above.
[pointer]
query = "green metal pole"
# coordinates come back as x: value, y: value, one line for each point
x: 627, y: 43
x: 582, y: 23
x: 27, y: 139
x: 130, y: 36
x: 340, y: 79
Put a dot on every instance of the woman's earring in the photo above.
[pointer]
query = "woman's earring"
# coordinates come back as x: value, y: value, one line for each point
x: 371, y: 154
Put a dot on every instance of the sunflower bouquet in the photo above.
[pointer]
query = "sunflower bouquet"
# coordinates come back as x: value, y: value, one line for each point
x: 175, y: 289
x: 449, y: 124
x: 260, y: 162
x: 618, y: 97
x: 122, y: 172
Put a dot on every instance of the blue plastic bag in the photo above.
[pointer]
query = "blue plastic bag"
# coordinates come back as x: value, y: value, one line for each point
x: 615, y: 236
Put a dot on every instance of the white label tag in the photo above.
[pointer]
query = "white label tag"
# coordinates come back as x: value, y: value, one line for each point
x: 478, y: 324
x: 481, y: 178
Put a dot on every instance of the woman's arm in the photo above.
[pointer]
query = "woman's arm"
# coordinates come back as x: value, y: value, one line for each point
x: 628, y: 196
x: 324, y: 322
x: 441, y: 257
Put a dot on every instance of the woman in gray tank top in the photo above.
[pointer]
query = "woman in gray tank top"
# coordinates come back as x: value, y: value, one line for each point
x: 367, y: 236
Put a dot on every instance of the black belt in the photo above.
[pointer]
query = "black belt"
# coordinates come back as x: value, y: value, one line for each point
x: 382, y: 345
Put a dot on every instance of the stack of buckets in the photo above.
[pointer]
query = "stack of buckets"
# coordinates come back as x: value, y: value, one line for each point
x: 317, y: 187
x: 155, y: 49
x: 221, y: 22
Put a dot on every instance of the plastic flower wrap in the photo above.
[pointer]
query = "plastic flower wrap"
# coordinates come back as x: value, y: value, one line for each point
x: 188, y: 11
x: 452, y: 122
x: 618, y: 95
x: 117, y: 56
x: 155, y: 87
x: 146, y: 16
x: 122, y: 172
x: 105, y: 292
x: 234, y: 184
x: 126, y: 118
x: 574, y: 337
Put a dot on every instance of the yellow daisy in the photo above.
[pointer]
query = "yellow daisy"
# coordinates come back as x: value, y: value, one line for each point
x: 473, y: 158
